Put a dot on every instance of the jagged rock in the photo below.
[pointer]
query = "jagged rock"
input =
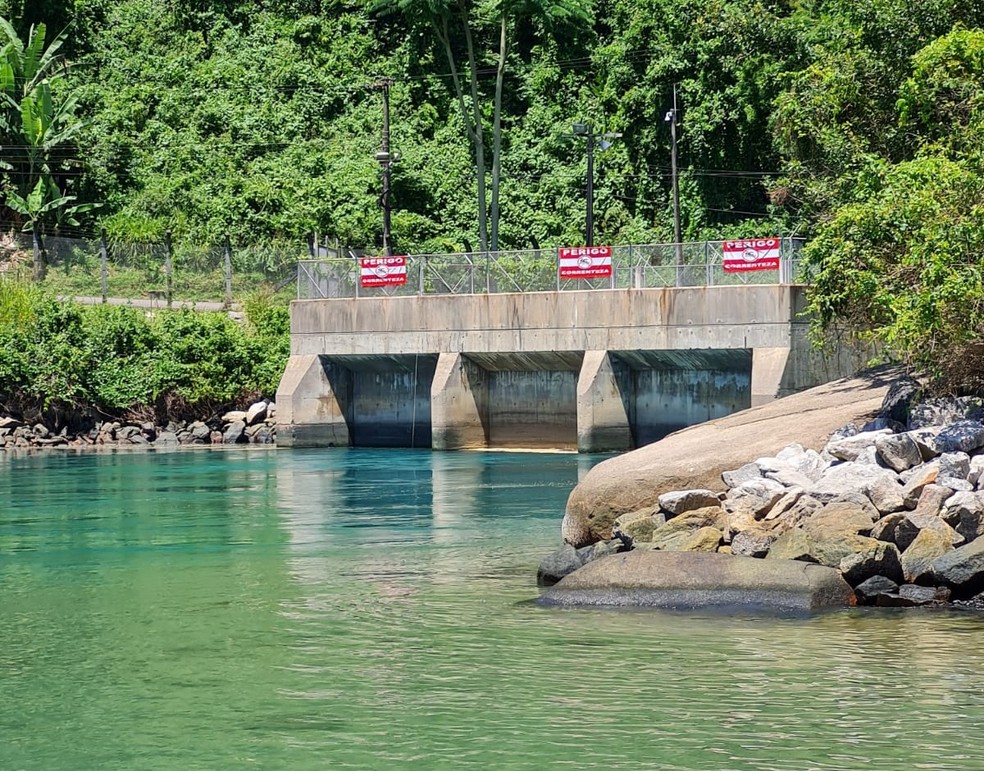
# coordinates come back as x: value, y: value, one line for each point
x: 256, y: 413
x: 879, y: 424
x: 125, y: 433
x: 931, y: 500
x: 912, y: 596
x: 924, y: 475
x: 746, y: 473
x: 965, y: 435
x: 798, y: 544
x: 6, y: 421
x: 954, y: 485
x: 963, y: 568
x: 850, y: 447
x: 752, y: 543
x: 844, y: 432
x: 677, y: 531
x: 757, y: 496
x: 234, y: 416
x: 918, y: 558
x: 877, y: 559
x: 215, y: 437
x: 941, y: 411
x: 954, y: 464
x: 264, y: 436
x: 879, y: 484
x: 895, y: 528
x: 676, y: 503
x: 976, y: 470
x: 199, y: 430
x: 870, y: 590
x: 166, y: 437
x: 558, y: 564
x: 138, y: 438
x: 803, y: 508
x: 702, y: 539
x: 868, y: 456
x: 808, y: 463
x: 842, y: 515
x: 898, y: 452
x: 41, y: 431
x: 900, y: 399
x: 234, y: 432
x: 785, y: 503
x: 933, y: 522
x: 964, y: 512
x: 638, y: 526
x: 789, y: 477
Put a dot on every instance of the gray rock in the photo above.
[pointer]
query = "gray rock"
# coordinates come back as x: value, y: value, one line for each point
x: 912, y: 596
x: 964, y: 512
x: 853, y: 477
x: 932, y: 522
x: 789, y: 477
x: 962, y: 569
x: 701, y: 580
x: 954, y: 464
x: 679, y: 502
x: 234, y: 416
x: 558, y: 564
x: 879, y: 559
x: 844, y: 432
x: 898, y: 452
x: 852, y: 514
x: 931, y: 500
x: 964, y: 436
x: 976, y: 470
x: 41, y: 431
x: 880, y: 424
x: 918, y: 558
x: 678, y: 533
x: 166, y: 437
x: 638, y: 526
x: 138, y: 438
x: 869, y: 591
x: 954, y: 485
x: 925, y: 474
x: 199, y: 430
x: 757, y: 496
x: 868, y: 456
x: 895, y: 528
x: 752, y: 543
x: 256, y: 413
x: 944, y: 410
x: 746, y: 473
x: 850, y: 447
x: 265, y: 435
x: 234, y: 432
x: 901, y: 397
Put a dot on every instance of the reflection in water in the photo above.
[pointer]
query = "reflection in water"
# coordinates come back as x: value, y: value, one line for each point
x: 368, y: 609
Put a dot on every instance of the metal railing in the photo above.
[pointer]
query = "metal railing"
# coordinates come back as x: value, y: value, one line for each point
x: 699, y: 263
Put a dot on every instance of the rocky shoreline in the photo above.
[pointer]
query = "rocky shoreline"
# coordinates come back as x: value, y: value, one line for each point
x: 895, y: 505
x: 255, y: 425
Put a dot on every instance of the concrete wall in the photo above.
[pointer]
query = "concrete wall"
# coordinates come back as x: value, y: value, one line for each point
x: 599, y: 370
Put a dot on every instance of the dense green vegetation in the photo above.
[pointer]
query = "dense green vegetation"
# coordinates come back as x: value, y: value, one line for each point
x: 859, y: 125
x: 61, y: 359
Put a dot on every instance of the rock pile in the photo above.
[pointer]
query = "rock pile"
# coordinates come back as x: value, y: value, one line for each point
x: 255, y: 425
x: 898, y: 510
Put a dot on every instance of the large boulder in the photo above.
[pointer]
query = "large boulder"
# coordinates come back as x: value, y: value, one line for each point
x: 697, y: 456
x: 686, y: 580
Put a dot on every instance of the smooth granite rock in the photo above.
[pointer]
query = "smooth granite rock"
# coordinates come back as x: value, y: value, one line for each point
x: 688, y: 580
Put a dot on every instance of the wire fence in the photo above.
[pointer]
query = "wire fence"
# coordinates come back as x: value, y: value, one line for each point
x: 97, y: 270
x: 700, y: 263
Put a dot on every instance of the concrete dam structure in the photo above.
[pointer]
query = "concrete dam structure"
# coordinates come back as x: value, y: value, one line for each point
x: 595, y: 370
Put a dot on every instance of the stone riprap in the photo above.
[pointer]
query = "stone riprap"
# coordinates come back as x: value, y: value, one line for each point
x: 898, y: 514
x: 256, y: 425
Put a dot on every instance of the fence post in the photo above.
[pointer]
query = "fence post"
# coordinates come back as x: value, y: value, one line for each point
x: 228, y: 271
x: 707, y: 263
x: 37, y: 245
x: 420, y: 274
x: 103, y: 267
x: 358, y: 275
x: 167, y: 267
x: 488, y: 273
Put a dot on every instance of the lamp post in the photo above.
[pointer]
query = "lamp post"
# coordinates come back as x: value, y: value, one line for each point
x: 584, y: 131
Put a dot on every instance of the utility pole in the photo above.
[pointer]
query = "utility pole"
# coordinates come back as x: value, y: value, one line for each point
x: 672, y: 117
x: 585, y: 131
x: 385, y: 159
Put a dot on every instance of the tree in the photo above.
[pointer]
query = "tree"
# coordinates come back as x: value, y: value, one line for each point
x: 36, y: 128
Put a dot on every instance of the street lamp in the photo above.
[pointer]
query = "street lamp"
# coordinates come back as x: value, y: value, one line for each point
x: 584, y: 131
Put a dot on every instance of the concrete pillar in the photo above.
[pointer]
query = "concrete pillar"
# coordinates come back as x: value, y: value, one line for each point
x: 314, y: 403
x: 603, y: 411
x: 459, y: 404
x: 769, y: 367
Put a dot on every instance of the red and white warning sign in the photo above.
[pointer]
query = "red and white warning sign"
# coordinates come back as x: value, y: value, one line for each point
x: 383, y: 271
x: 585, y: 261
x: 751, y: 254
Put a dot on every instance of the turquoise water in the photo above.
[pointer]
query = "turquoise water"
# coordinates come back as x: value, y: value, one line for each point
x: 369, y: 609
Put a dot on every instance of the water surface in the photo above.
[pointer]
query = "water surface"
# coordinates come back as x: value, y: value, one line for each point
x: 369, y: 609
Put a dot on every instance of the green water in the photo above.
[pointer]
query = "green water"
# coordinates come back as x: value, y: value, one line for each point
x: 368, y: 609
